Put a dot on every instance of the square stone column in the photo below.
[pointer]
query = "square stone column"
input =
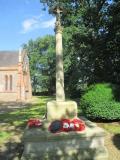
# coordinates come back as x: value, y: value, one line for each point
x: 58, y: 110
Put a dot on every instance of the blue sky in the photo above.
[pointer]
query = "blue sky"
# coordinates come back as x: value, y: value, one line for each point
x: 22, y: 20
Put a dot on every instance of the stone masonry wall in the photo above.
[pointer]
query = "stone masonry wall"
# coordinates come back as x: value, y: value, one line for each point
x: 8, y: 95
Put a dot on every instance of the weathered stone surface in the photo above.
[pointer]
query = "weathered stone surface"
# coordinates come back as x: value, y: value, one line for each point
x: 60, y: 93
x: 58, y: 110
x: 68, y: 154
x: 40, y: 144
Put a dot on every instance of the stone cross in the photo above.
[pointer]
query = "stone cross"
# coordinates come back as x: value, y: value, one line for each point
x: 60, y: 94
x: 59, y: 109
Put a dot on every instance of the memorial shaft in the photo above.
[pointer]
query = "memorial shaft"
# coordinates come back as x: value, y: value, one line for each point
x: 60, y: 94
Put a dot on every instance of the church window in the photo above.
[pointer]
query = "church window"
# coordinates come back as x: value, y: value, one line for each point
x: 6, y: 82
x: 11, y: 82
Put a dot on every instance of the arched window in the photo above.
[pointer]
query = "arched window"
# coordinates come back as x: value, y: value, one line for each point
x: 11, y: 82
x: 6, y: 82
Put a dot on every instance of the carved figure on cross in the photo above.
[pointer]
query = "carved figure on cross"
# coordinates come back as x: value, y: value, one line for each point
x: 58, y: 12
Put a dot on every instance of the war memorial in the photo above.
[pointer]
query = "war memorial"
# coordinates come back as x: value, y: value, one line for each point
x: 41, y: 144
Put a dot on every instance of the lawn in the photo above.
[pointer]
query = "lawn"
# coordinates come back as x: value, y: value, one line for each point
x: 14, y: 122
x: 113, y: 127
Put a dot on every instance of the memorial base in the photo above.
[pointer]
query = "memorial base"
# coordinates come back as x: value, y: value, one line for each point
x: 40, y: 144
x: 58, y: 110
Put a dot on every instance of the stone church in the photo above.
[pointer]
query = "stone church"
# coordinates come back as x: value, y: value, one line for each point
x: 15, y: 84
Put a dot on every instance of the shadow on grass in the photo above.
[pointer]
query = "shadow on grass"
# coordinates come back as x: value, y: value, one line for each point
x: 13, y: 151
x: 116, y: 141
x: 18, y: 116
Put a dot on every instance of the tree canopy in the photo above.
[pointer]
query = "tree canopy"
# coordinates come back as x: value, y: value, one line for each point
x: 41, y: 54
x: 91, y: 41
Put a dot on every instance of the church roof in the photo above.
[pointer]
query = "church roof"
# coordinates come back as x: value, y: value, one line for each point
x: 9, y: 58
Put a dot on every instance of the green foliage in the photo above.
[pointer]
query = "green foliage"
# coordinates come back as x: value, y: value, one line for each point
x: 91, y: 40
x: 100, y: 102
x: 41, y: 54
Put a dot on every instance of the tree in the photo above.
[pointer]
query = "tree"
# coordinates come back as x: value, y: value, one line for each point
x: 41, y: 54
x: 92, y: 39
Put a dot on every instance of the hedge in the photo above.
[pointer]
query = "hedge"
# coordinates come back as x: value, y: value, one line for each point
x: 101, y: 101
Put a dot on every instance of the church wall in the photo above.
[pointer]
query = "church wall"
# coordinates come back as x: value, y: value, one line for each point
x: 8, y: 92
x: 8, y: 97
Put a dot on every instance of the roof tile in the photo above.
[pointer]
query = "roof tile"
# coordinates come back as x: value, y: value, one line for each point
x: 9, y: 58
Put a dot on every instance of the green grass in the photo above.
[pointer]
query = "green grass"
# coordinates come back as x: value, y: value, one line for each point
x: 15, y: 121
x: 113, y: 128
x: 4, y: 136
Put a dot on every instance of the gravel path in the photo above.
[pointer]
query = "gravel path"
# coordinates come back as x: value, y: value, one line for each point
x: 112, y: 143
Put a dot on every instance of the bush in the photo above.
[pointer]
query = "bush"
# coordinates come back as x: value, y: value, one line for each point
x: 100, y: 102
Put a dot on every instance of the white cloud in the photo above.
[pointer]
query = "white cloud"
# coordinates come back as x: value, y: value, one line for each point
x: 36, y: 22
x: 48, y: 24
x: 29, y: 25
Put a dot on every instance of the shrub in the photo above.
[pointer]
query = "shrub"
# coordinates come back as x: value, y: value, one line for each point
x: 100, y: 102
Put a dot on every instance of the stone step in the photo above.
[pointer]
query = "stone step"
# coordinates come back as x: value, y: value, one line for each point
x: 40, y: 144
x: 67, y: 154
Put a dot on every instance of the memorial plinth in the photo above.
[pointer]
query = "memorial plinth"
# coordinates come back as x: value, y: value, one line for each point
x: 40, y: 144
